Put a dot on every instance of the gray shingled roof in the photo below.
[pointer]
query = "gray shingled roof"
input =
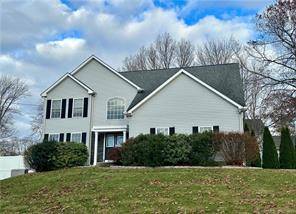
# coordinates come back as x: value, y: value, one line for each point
x: 224, y: 78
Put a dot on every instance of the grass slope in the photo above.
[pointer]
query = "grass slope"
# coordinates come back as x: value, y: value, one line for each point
x: 104, y: 190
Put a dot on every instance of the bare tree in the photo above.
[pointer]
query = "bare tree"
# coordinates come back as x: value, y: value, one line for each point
x: 11, y: 91
x: 215, y: 52
x: 152, y: 57
x: 184, y: 53
x: 36, y: 124
x: 166, y: 47
x: 276, y: 46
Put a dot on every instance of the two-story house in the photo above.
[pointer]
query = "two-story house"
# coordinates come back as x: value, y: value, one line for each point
x: 98, y: 106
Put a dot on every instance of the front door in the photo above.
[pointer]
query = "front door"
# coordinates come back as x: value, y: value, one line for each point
x: 112, y: 140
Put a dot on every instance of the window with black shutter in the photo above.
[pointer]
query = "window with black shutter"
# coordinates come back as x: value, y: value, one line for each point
x: 45, y: 137
x: 215, y: 129
x: 194, y: 129
x: 64, y: 103
x: 152, y: 130
x: 172, y: 130
x: 48, y: 108
x: 61, y: 137
x: 85, y: 107
x: 83, y: 138
x: 68, y: 137
x: 70, y: 106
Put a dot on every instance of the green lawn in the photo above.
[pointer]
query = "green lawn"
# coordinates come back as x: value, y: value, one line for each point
x: 159, y: 190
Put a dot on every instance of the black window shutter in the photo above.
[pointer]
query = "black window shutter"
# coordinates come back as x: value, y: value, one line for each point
x: 83, y: 138
x: 68, y: 137
x: 216, y: 129
x: 45, y: 137
x: 152, y: 130
x: 70, y: 106
x: 195, y: 129
x: 127, y: 135
x: 64, y: 103
x: 172, y: 130
x: 61, y: 137
x: 48, y: 107
x: 85, y: 107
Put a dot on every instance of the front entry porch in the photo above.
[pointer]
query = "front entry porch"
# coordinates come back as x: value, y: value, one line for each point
x: 104, y: 139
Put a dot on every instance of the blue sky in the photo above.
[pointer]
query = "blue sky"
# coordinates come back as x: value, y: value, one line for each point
x: 43, y: 39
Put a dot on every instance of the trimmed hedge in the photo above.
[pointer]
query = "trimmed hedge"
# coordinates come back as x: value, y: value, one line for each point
x: 160, y: 150
x: 49, y: 155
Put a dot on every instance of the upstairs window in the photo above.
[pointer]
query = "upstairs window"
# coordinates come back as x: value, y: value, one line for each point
x: 56, y: 109
x: 115, y: 108
x: 77, y: 107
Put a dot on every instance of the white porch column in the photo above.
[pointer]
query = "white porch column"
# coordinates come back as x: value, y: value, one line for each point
x: 104, y: 147
x: 124, y: 136
x: 96, y: 149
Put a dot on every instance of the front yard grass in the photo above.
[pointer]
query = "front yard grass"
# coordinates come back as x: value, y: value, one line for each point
x: 158, y: 190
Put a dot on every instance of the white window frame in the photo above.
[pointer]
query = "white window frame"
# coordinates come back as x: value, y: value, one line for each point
x: 73, y: 107
x: 115, y: 142
x: 50, y: 134
x: 200, y: 127
x: 80, y: 141
x: 52, y: 106
x: 166, y: 134
x: 124, y: 107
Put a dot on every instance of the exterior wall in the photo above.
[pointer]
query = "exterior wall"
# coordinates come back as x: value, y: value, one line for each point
x: 182, y: 104
x: 65, y: 90
x: 107, y: 85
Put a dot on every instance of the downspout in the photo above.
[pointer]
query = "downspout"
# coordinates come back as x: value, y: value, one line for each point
x: 241, y: 111
x: 90, y: 125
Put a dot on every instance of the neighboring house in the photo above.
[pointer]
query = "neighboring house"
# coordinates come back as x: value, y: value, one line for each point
x: 98, y: 106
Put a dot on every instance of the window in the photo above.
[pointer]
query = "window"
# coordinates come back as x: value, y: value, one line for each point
x: 115, y: 108
x: 54, y: 137
x: 110, y: 141
x: 119, y: 140
x: 77, y: 107
x: 205, y: 129
x: 56, y: 109
x: 76, y: 137
x: 164, y: 131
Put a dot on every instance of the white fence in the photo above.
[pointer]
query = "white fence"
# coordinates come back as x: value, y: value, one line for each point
x: 7, y: 163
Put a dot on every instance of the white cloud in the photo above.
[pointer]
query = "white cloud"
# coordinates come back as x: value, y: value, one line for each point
x: 62, y: 48
x: 35, y: 44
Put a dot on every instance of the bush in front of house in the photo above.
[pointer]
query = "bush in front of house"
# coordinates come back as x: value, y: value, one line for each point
x: 49, y: 155
x: 252, y: 151
x: 270, y: 156
x: 287, y: 153
x: 177, y: 149
x: 144, y: 150
x: 115, y: 155
x: 202, y: 149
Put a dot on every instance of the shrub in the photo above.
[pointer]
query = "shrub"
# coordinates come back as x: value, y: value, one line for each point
x: 202, y: 149
x: 48, y: 156
x: 287, y: 154
x: 232, y: 146
x: 176, y: 150
x: 270, y: 157
x: 252, y: 151
x: 144, y: 150
x: 115, y: 155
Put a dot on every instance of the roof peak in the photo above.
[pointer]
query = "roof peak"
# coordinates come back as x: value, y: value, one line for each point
x: 194, y: 66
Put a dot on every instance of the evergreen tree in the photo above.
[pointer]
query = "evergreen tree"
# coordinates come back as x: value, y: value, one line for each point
x: 246, y: 128
x: 270, y: 157
x: 287, y: 153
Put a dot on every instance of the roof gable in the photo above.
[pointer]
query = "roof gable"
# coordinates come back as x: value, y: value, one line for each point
x: 93, y: 57
x: 224, y: 79
x: 68, y: 75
